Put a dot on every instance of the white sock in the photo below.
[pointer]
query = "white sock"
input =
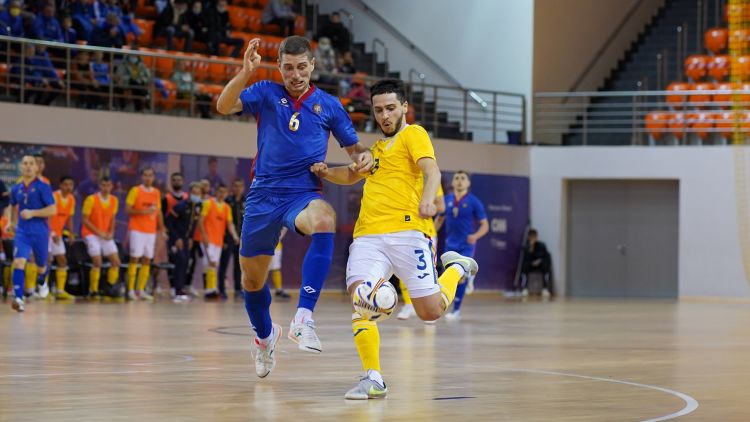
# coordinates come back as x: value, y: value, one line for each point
x: 375, y: 376
x: 303, y: 314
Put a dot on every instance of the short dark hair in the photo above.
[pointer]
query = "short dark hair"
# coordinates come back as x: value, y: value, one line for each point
x: 177, y: 173
x: 533, y: 232
x: 105, y: 179
x: 145, y: 169
x: 64, y: 178
x: 221, y: 186
x: 468, y: 176
x: 212, y: 159
x: 238, y: 180
x: 295, y: 45
x: 389, y: 86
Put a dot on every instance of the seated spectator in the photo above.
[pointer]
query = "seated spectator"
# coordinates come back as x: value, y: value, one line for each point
x: 325, y: 61
x: 70, y: 35
x: 279, y: 12
x: 39, y: 76
x: 186, y: 88
x: 80, y: 79
x: 11, y: 19
x: 46, y: 25
x: 339, y: 35
x: 217, y: 19
x: 133, y: 79
x: 359, y: 95
x: 196, y: 18
x: 109, y: 34
x: 87, y: 16
x: 127, y: 22
x: 100, y: 79
x: 346, y: 67
x: 172, y: 22
x: 536, y: 259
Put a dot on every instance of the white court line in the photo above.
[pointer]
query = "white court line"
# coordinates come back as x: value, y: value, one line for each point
x: 63, y: 374
x: 690, y: 403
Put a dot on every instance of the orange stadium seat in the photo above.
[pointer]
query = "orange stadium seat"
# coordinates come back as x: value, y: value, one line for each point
x: 741, y: 67
x: 656, y: 123
x: 677, y: 100
x: 738, y: 39
x: 199, y: 67
x: 164, y: 65
x: 147, y: 31
x: 701, y: 124
x: 723, y: 97
x: 742, y: 99
x: 168, y: 103
x: 695, y: 67
x: 254, y: 20
x: 678, y: 125
x: 724, y: 122
x: 237, y: 18
x: 718, y: 67
x: 146, y: 11
x: 715, y: 39
x: 271, y: 47
x: 147, y: 60
x: 701, y: 97
x: 739, y: 9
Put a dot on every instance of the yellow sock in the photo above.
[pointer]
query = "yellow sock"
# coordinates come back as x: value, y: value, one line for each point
x: 448, y: 283
x: 404, y: 292
x: 367, y: 340
x: 211, y: 279
x: 143, y: 276
x: 61, y: 276
x: 132, y: 271
x: 30, y: 275
x: 6, y: 275
x: 94, y: 276
x: 276, y: 279
x: 112, y: 275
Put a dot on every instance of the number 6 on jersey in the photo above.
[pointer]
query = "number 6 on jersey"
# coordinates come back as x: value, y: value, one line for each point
x: 294, y: 122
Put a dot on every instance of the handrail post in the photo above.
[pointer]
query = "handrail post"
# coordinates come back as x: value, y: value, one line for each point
x: 191, y: 113
x: 494, y: 117
x: 111, y: 96
x: 523, y: 121
x: 152, y: 86
x: 67, y: 77
x: 465, y: 130
x: 23, y: 72
x: 584, y: 101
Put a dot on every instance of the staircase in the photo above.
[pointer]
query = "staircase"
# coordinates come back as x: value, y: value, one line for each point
x: 640, y: 65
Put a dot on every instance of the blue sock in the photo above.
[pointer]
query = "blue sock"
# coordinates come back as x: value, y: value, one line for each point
x: 315, y: 269
x: 258, y: 306
x: 41, y: 277
x: 460, y: 292
x: 19, y: 276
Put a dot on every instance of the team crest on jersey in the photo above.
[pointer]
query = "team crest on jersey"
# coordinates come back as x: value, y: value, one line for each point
x: 317, y: 108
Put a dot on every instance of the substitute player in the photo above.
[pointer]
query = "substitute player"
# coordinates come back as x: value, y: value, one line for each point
x: 295, y: 120
x: 65, y: 203
x: 32, y: 204
x: 465, y: 223
x: 214, y: 222
x: 143, y: 205
x: 98, y: 231
x: 391, y: 233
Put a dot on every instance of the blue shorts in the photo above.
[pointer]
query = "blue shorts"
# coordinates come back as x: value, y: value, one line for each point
x: 465, y: 250
x: 26, y: 242
x: 265, y: 213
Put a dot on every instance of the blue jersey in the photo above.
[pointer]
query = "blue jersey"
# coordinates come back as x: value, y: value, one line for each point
x: 293, y: 134
x: 461, y: 219
x: 35, y: 196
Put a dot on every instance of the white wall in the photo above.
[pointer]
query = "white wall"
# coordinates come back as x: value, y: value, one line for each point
x: 710, y: 260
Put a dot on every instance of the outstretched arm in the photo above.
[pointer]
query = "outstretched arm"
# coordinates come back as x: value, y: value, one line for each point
x: 344, y: 175
x: 229, y: 101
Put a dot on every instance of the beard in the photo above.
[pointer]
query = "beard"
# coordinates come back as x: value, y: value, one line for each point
x: 396, y: 127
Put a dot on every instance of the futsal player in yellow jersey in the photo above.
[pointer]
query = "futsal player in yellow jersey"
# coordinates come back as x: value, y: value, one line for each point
x: 392, y: 232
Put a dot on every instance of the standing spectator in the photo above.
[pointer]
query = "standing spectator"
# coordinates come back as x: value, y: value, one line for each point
x: 186, y: 89
x: 279, y: 12
x: 109, y: 33
x: 70, y: 35
x: 98, y: 231
x: 180, y: 226
x: 232, y: 249
x: 196, y: 19
x: 339, y: 35
x: 325, y: 61
x: 536, y: 258
x: 133, y: 77
x: 12, y: 19
x: 100, y: 79
x: 46, y: 25
x: 214, y: 223
x: 213, y: 177
x: 219, y: 30
x: 172, y: 22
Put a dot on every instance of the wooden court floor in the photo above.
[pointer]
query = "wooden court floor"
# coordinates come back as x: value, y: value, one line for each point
x: 574, y: 360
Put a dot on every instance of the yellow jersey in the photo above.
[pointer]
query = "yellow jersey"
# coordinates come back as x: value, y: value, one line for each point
x: 393, y: 188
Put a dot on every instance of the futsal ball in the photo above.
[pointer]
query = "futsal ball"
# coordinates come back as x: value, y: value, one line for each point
x: 375, y: 301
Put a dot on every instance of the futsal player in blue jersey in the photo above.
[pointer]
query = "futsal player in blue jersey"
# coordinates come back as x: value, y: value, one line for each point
x: 295, y: 120
x: 465, y: 223
x: 32, y: 204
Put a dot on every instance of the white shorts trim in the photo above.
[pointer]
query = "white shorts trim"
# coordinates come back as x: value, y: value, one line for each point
x: 276, y: 260
x: 406, y: 254
x: 58, y: 248
x: 211, y: 254
x: 141, y: 244
x: 97, y: 246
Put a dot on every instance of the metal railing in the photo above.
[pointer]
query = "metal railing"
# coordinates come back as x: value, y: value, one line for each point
x: 703, y: 117
x: 446, y: 112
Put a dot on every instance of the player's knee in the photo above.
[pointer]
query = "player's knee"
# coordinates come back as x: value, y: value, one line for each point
x: 324, y: 223
x: 251, y: 284
x: 429, y: 313
x: 115, y: 261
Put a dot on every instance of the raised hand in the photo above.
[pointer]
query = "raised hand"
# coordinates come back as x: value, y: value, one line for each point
x: 252, y: 58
